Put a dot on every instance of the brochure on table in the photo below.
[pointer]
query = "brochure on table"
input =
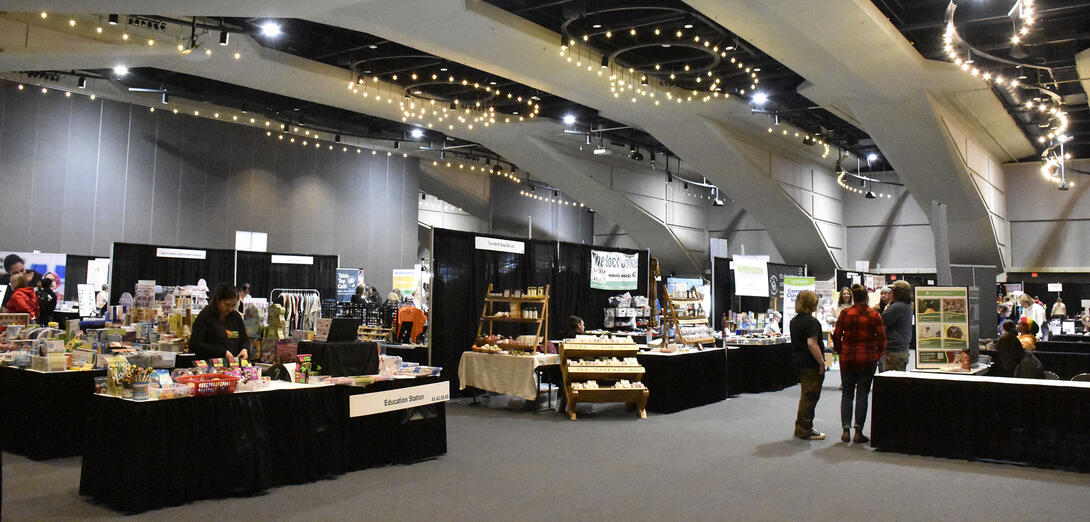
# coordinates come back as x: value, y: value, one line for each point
x: 942, y: 324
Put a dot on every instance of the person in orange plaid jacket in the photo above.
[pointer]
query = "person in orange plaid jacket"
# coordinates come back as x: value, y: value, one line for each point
x: 860, y: 340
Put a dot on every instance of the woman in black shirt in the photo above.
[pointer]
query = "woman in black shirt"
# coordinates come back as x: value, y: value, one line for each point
x: 806, y: 353
x: 218, y: 329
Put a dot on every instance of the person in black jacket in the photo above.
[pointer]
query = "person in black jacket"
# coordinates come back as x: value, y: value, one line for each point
x: 219, y: 329
x: 47, y: 299
x: 360, y: 296
x: 1010, y: 351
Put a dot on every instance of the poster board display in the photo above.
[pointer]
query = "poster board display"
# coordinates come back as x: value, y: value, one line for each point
x: 406, y: 281
x: 792, y: 286
x: 942, y: 324
x: 614, y: 270
x: 751, y: 276
x: 347, y: 281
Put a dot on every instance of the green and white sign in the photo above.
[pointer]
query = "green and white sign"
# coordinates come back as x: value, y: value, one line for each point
x: 614, y: 270
x: 792, y: 286
x: 942, y: 325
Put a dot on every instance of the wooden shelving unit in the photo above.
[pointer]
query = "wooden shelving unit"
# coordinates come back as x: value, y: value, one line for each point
x: 678, y: 314
x: 374, y: 333
x: 515, y: 311
x: 574, y: 356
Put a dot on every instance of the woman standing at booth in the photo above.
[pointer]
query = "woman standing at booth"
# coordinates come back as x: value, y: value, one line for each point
x: 219, y: 330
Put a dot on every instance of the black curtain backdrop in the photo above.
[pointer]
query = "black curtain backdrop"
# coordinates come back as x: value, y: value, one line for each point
x: 725, y: 299
x: 263, y: 275
x: 133, y: 262
x: 75, y: 273
x: 1076, y: 288
x: 462, y: 274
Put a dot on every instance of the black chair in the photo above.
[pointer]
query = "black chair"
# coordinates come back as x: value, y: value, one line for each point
x: 1085, y: 377
x: 404, y: 332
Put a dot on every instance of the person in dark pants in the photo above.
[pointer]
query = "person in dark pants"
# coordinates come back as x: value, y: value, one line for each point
x: 860, y: 339
x: 807, y: 350
x: 897, y: 320
x: 219, y: 329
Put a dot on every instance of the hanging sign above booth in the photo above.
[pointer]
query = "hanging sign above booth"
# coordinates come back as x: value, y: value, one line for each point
x: 500, y: 245
x: 614, y: 270
x: 1055, y: 287
x: 292, y: 260
x: 180, y: 253
x: 751, y: 275
x: 792, y: 287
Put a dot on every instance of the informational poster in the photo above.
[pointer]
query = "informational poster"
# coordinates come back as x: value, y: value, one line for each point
x: 87, y: 305
x: 405, y: 281
x: 614, y: 270
x: 321, y: 329
x: 751, y: 275
x: 792, y: 286
x: 942, y: 324
x: 53, y: 265
x: 98, y: 272
x: 347, y: 281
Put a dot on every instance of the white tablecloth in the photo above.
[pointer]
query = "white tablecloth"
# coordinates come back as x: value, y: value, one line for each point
x: 506, y: 374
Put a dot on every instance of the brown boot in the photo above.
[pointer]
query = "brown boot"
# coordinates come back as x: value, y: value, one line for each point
x: 859, y: 437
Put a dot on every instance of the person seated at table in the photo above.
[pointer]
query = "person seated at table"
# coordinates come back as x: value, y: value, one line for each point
x: 1010, y: 351
x: 1029, y: 368
x: 219, y: 328
x: 575, y: 327
x: 23, y: 299
x: 359, y: 297
x: 1027, y: 333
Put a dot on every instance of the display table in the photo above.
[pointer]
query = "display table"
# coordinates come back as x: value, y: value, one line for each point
x: 1064, y: 364
x: 976, y: 369
x: 755, y: 368
x: 1038, y: 422
x: 43, y: 414
x: 1064, y: 346
x: 342, y: 358
x: 419, y: 354
x: 147, y: 455
x: 679, y: 381
x: 505, y: 374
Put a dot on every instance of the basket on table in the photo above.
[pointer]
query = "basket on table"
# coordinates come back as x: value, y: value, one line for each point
x: 210, y: 383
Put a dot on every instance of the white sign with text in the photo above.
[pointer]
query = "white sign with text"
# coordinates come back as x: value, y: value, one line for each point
x: 500, y: 245
x: 399, y: 399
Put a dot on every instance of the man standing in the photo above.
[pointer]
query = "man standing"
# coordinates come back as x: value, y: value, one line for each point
x: 1033, y: 311
x: 897, y: 319
x: 860, y: 340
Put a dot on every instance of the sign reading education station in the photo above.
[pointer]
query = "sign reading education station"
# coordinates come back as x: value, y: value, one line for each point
x: 614, y: 270
x: 399, y: 399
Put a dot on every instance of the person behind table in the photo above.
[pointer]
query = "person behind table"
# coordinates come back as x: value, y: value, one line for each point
x: 897, y: 320
x: 860, y: 339
x: 360, y: 296
x: 1027, y: 333
x: 1059, y: 309
x: 1004, y: 312
x: 807, y: 355
x: 884, y: 296
x: 575, y: 327
x: 374, y: 298
x: 23, y: 299
x: 47, y: 299
x: 219, y: 330
x: 1010, y: 351
x: 1032, y: 310
x: 13, y: 265
x: 243, y: 295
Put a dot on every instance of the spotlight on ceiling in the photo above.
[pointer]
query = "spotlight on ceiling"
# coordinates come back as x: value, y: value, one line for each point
x: 870, y: 195
x: 601, y: 150
x: 270, y: 29
x: 81, y: 82
x: 166, y: 98
x: 416, y: 134
x: 120, y: 70
x: 759, y: 98
x: 717, y: 202
x: 397, y: 144
x: 605, y: 62
x: 112, y: 19
x: 872, y: 157
x: 336, y: 138
x: 569, y: 119
x: 224, y: 37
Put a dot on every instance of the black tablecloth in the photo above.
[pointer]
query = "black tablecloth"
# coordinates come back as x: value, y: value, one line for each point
x: 343, y: 358
x: 1063, y: 346
x: 1017, y: 421
x: 146, y: 455
x: 760, y: 368
x: 1071, y: 338
x: 678, y: 382
x: 416, y: 354
x: 43, y: 415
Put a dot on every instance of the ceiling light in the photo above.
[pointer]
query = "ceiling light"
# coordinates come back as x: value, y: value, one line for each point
x: 870, y: 195
x: 596, y: 26
x: 872, y: 157
x: 121, y: 70
x: 81, y: 82
x: 605, y: 62
x: 270, y: 29
x: 336, y: 138
x: 759, y: 98
x: 569, y: 119
x: 397, y: 145
x: 112, y: 19
x: 416, y: 134
x: 166, y: 98
x: 224, y: 36
x: 688, y: 26
x: 601, y: 150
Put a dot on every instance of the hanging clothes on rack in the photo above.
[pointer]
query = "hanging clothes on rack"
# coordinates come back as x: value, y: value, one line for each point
x: 302, y: 307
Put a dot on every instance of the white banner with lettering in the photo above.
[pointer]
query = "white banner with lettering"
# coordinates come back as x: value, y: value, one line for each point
x: 399, y: 399
x: 614, y: 270
x: 792, y: 286
x: 751, y: 275
x: 500, y: 245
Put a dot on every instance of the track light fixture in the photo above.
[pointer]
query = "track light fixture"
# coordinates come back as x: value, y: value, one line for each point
x: 166, y: 98
x: 81, y: 82
x: 397, y: 144
x: 224, y: 37
x: 112, y: 19
x: 336, y: 138
x: 605, y: 62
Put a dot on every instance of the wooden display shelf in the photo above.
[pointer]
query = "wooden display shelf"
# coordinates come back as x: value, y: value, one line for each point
x: 586, y: 351
x: 687, y: 300
x: 692, y: 320
x: 539, y: 303
x: 701, y: 340
x: 592, y: 374
x: 637, y: 396
x: 573, y: 350
x: 674, y: 315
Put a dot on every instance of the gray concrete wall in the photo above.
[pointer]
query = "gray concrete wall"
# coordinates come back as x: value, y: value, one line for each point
x: 893, y: 234
x: 80, y: 174
x: 1048, y: 227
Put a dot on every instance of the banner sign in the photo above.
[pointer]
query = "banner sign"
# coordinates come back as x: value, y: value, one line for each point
x: 942, y: 324
x: 751, y: 275
x: 347, y: 281
x: 400, y: 399
x: 792, y: 286
x: 500, y: 245
x: 405, y: 281
x: 179, y: 253
x: 292, y: 260
x: 614, y: 270
x: 1055, y: 287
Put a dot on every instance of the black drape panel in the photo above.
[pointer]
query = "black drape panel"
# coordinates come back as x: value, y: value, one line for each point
x: 725, y: 299
x: 133, y: 262
x: 572, y: 294
x: 263, y: 275
x: 75, y: 273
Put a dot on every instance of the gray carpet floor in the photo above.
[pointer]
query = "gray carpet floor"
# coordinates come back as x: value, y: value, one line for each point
x: 733, y: 459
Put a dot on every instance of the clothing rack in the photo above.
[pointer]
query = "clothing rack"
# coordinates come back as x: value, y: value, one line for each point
x: 302, y: 306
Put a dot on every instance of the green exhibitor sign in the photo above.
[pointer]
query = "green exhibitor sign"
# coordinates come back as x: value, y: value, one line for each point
x: 942, y: 325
